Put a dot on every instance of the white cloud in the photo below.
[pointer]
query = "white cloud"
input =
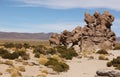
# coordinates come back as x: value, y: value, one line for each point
x: 66, y: 4
x: 49, y: 27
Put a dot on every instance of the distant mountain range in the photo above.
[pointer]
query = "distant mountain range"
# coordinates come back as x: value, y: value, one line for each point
x: 29, y: 36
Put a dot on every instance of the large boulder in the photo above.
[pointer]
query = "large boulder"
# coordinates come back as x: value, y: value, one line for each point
x: 108, y: 73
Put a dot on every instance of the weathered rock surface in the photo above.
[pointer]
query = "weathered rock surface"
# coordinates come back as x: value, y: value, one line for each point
x: 97, y: 34
x: 107, y: 73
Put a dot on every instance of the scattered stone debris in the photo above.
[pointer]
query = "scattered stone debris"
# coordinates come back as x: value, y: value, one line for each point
x: 97, y: 34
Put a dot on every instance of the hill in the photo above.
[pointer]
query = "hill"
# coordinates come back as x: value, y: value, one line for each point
x: 27, y: 36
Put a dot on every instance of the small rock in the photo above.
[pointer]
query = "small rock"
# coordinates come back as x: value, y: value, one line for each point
x: 109, y: 73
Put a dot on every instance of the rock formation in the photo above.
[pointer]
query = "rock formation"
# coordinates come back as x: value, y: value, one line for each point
x: 107, y: 73
x: 95, y: 35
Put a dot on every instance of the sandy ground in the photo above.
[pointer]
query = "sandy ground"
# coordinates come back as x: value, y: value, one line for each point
x: 87, y: 68
x: 78, y: 67
x: 83, y: 68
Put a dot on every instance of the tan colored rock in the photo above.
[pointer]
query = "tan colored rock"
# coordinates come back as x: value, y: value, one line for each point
x: 97, y: 34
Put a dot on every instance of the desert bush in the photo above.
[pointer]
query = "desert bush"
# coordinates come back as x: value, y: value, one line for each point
x: 118, y: 67
x: 1, y: 62
x: 51, y: 51
x: 8, y: 45
x: 40, y: 49
x: 1, y: 73
x: 26, y: 45
x: 37, y: 55
x: 15, y: 74
x: 10, y: 56
x: 116, y: 48
x: 26, y: 57
x: 61, y: 67
x: 15, y: 55
x: 67, y: 53
x: 102, y: 51
x: 25, y: 63
x: 11, y: 70
x: 22, y: 54
x: 115, y: 63
x: 3, y: 51
x: 43, y: 60
x: 57, y: 66
x: 44, y: 71
x: 21, y: 68
x: 18, y: 46
x: 109, y: 64
x: 42, y: 75
x: 102, y: 57
x: 51, y: 61
x: 8, y: 62
x: 58, y: 58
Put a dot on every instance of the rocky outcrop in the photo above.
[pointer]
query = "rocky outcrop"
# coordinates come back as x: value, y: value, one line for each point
x: 107, y: 73
x: 97, y: 34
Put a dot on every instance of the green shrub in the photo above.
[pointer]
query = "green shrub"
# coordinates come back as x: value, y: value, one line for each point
x: 18, y: 46
x: 10, y: 56
x: 109, y: 64
x: 51, y: 51
x: 57, y: 66
x: 26, y: 45
x: 40, y: 49
x: 8, y: 45
x: 118, y: 67
x: 22, y: 54
x: 15, y: 55
x: 115, y: 63
x: 51, y: 61
x: 37, y: 55
x: 102, y: 51
x: 66, y: 53
x: 117, y: 46
x: 25, y: 57
x: 3, y: 51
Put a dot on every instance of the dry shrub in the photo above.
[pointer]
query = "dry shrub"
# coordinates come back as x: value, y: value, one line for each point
x: 102, y: 57
x: 19, y: 60
x: 22, y: 49
x: 25, y: 63
x: 42, y: 75
x: 13, y: 49
x: 57, y: 58
x: 44, y: 71
x: 115, y: 63
x: 43, y: 60
x: 20, y: 68
x: 1, y: 73
x: 1, y: 62
x: 15, y: 74
x: 8, y: 62
x: 11, y: 70
x: 102, y: 51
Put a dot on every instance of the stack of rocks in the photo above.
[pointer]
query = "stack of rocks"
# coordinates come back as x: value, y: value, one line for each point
x: 95, y: 35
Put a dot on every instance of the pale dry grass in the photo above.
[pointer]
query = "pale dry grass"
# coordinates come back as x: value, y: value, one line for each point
x: 31, y: 42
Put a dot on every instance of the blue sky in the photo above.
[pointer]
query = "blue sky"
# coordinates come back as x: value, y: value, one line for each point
x: 36, y: 16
